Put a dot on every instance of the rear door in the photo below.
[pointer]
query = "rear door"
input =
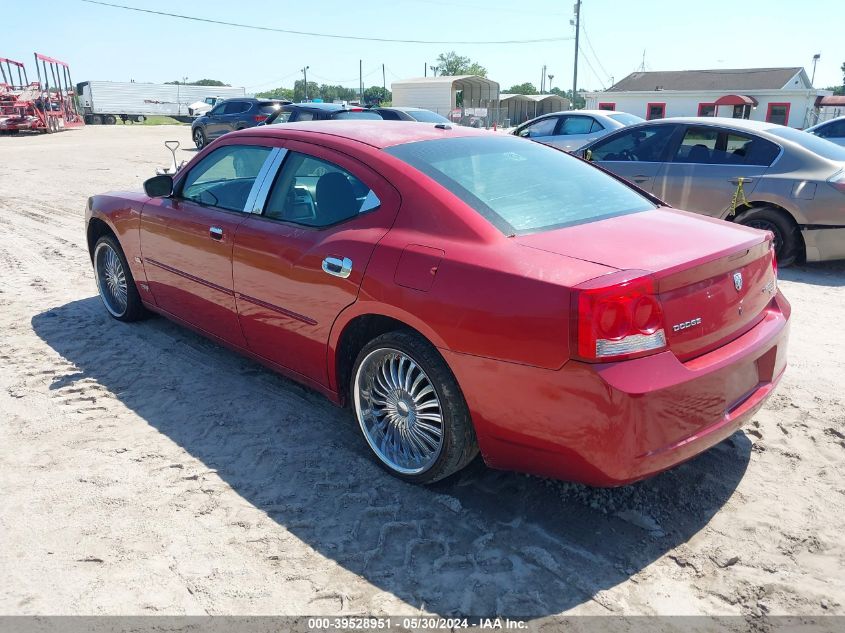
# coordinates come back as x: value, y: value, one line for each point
x: 705, y: 170
x: 186, y: 239
x: 233, y: 115
x: 637, y: 154
x: 301, y: 261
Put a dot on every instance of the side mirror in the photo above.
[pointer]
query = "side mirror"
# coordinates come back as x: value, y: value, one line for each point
x: 159, y: 186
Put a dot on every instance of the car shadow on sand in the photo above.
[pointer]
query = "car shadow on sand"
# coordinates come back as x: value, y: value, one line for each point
x: 830, y: 274
x: 480, y: 543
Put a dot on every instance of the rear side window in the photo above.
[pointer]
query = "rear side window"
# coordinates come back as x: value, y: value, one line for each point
x: 579, y: 125
x: 646, y: 144
x: 388, y: 115
x: 314, y: 192
x: 268, y: 108
x: 715, y: 146
x: 521, y: 187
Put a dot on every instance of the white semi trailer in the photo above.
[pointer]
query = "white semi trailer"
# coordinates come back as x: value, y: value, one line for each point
x: 104, y: 102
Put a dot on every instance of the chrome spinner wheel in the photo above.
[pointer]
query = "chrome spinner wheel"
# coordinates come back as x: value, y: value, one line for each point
x: 399, y: 411
x: 111, y: 279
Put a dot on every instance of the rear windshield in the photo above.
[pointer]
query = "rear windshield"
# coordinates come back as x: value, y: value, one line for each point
x: 816, y: 144
x: 521, y: 186
x: 427, y: 116
x: 357, y: 114
x: 625, y: 119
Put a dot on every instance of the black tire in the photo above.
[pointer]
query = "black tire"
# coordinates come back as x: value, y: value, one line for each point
x: 139, y: 118
x: 459, y: 445
x: 96, y: 119
x: 109, y: 119
x: 133, y: 310
x: 787, y: 238
x: 200, y: 139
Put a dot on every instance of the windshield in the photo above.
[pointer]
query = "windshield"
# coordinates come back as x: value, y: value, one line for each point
x: 521, y: 186
x: 625, y: 119
x: 816, y: 144
x: 427, y: 116
x: 358, y: 114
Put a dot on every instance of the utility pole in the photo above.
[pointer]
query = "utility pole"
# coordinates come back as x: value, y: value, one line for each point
x: 360, y: 81
x: 425, y: 69
x: 577, y: 35
x: 383, y: 81
x: 816, y: 58
x: 543, y: 80
x: 305, y: 79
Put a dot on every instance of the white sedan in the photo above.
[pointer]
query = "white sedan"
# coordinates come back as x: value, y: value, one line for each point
x: 570, y: 129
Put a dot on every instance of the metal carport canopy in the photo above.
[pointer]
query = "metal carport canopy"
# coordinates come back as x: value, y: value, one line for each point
x: 438, y: 93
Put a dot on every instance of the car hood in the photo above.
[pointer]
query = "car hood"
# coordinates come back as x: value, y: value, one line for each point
x: 661, y: 240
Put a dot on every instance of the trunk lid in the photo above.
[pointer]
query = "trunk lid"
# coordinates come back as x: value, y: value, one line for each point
x: 714, y: 279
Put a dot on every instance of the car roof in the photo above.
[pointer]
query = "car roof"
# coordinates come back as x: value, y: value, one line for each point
x: 821, y: 124
x: 740, y: 124
x: 311, y: 105
x: 399, y: 108
x: 374, y: 133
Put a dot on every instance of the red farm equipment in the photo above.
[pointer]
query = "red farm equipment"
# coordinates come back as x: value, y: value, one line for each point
x: 47, y: 105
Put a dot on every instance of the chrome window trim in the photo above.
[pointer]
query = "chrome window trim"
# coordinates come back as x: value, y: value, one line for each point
x: 263, y: 183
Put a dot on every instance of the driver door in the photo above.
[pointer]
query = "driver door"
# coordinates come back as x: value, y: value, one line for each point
x: 636, y: 154
x: 187, y: 239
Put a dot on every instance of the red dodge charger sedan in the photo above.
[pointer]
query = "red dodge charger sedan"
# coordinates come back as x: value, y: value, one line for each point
x: 461, y: 291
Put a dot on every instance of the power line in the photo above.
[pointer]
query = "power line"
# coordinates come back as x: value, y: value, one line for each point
x: 487, y: 8
x: 593, y: 50
x: 326, y: 35
x: 595, y: 74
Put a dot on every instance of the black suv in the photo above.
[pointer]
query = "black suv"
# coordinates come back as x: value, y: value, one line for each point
x: 293, y: 112
x: 231, y: 115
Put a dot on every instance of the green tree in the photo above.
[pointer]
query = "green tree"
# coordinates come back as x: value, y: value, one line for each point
x: 276, y: 93
x: 200, y: 82
x: 578, y: 103
x: 299, y: 90
x: 375, y: 95
x: 453, y: 64
x: 522, y: 89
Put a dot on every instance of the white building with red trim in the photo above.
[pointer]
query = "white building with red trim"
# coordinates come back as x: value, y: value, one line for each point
x: 777, y: 95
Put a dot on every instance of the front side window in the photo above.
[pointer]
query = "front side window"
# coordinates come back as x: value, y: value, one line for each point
x: 521, y: 187
x: 646, y: 144
x: 282, y: 117
x: 832, y: 130
x: 225, y: 177
x: 543, y: 127
x: 315, y: 192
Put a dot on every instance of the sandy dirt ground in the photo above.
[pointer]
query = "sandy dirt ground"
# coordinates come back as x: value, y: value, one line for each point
x: 145, y: 470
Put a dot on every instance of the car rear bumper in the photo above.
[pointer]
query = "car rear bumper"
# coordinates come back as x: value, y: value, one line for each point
x: 612, y: 424
x: 824, y: 244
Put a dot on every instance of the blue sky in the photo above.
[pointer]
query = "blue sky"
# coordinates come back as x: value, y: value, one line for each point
x: 114, y: 44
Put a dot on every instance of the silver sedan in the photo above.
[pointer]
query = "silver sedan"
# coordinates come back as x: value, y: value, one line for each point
x: 759, y: 174
x: 833, y: 130
x: 570, y: 129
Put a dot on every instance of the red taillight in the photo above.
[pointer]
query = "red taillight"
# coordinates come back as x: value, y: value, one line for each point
x: 617, y: 316
x: 837, y: 181
x: 260, y: 117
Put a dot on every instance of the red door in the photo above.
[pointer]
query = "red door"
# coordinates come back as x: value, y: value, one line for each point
x: 301, y: 262
x: 186, y: 240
